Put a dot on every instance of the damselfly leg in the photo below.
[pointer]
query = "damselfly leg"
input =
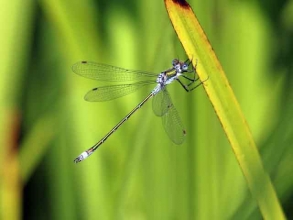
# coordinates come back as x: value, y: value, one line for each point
x: 195, y: 78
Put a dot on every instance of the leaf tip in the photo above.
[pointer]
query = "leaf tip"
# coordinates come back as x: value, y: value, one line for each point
x: 182, y: 3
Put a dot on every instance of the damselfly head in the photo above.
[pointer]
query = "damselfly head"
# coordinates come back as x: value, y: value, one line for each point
x: 180, y: 66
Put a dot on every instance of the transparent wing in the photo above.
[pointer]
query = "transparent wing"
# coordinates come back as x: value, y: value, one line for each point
x: 160, y: 103
x: 105, y: 72
x: 171, y: 121
x: 106, y: 93
x: 173, y: 126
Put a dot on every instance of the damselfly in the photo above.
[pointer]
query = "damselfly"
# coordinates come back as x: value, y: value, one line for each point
x: 162, y: 103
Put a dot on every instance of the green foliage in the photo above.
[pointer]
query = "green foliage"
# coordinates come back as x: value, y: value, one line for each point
x: 138, y: 173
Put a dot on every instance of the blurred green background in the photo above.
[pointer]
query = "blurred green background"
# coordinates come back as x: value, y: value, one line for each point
x: 138, y: 173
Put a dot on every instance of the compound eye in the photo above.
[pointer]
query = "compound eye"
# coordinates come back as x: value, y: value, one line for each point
x: 184, y: 66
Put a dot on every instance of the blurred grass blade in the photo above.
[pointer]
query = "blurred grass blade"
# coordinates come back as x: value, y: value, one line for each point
x: 35, y: 145
x: 225, y: 105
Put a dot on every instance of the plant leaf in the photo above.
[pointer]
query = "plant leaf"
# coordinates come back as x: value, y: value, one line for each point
x: 225, y: 105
